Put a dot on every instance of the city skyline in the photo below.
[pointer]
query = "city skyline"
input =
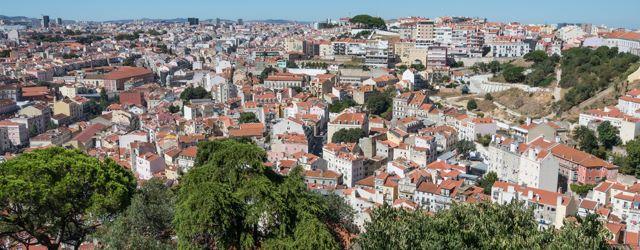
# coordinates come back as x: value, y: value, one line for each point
x: 544, y: 11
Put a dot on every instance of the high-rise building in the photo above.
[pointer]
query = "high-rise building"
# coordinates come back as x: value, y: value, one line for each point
x: 240, y: 21
x: 59, y: 21
x: 218, y: 22
x: 425, y: 30
x: 45, y: 21
x: 193, y: 21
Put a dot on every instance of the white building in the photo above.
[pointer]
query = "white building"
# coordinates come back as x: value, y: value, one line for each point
x: 148, y: 164
x: 345, y: 160
x: 549, y: 208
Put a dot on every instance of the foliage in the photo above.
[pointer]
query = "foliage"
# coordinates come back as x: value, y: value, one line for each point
x: 314, y: 65
x: 174, y: 109
x: 230, y: 200
x: 536, y: 56
x: 55, y: 196
x: 475, y: 226
x: 581, y: 190
x: 88, y: 39
x: 5, y: 53
x: 513, y: 74
x: 47, y: 38
x: 543, y: 70
x: 194, y: 93
x: 266, y: 72
x: 485, y: 140
x: 586, y: 72
x: 587, y: 140
x: 457, y: 64
x: 472, y: 104
x: 487, y: 181
x: 93, y: 108
x: 608, y: 135
x: 341, y: 105
x: 418, y: 67
x: 348, y: 135
x: 369, y: 22
x: 488, y: 97
x: 631, y: 163
x: 153, y: 32
x: 146, y: 224
x: 292, y: 64
x: 131, y: 60
x: 380, y: 103
x: 248, y: 117
x: 129, y: 36
x: 494, y: 67
x: 69, y: 56
x: 463, y: 147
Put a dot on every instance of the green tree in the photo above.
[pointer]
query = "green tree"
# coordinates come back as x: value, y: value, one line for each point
x: 487, y: 181
x: 476, y: 226
x: 174, y: 109
x: 379, y: 103
x: 513, y: 74
x: 472, y: 104
x: 57, y: 196
x: 632, y: 161
x: 229, y: 199
x: 266, y: 72
x: 493, y: 66
x: 581, y: 190
x: 463, y: 147
x: 341, y: 105
x: 484, y: 140
x: 587, y: 140
x: 292, y: 64
x: 536, y: 56
x: 608, y: 135
x: 194, y: 93
x: 369, y: 22
x: 146, y: 224
x: 5, y: 53
x: 585, y: 233
x: 348, y: 135
x: 248, y: 117
x: 488, y: 97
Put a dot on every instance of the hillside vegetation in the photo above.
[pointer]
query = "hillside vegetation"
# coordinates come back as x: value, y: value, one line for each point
x: 586, y: 72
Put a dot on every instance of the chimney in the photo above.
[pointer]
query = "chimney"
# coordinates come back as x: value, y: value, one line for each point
x: 528, y: 121
x: 530, y: 194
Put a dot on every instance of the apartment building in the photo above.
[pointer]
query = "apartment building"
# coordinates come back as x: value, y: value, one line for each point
x: 550, y: 208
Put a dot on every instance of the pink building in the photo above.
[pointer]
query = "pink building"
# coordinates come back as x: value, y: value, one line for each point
x: 284, y: 146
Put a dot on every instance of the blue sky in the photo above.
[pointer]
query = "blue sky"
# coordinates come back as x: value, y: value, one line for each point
x: 620, y: 13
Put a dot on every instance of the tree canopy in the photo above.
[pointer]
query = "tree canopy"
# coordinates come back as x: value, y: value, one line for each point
x: 231, y: 200
x: 57, y: 196
x: 248, y: 117
x: 369, y: 22
x: 194, y: 93
x: 608, y: 135
x: 348, y: 135
x: 341, y: 105
x: 476, y: 226
x: 631, y: 163
x: 512, y: 73
x: 463, y: 147
x: 146, y: 223
x: 472, y: 104
x: 536, y: 56
x: 586, y: 138
x: 586, y: 71
x: 380, y: 103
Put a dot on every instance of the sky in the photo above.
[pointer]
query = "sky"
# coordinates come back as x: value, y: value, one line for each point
x: 613, y: 13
